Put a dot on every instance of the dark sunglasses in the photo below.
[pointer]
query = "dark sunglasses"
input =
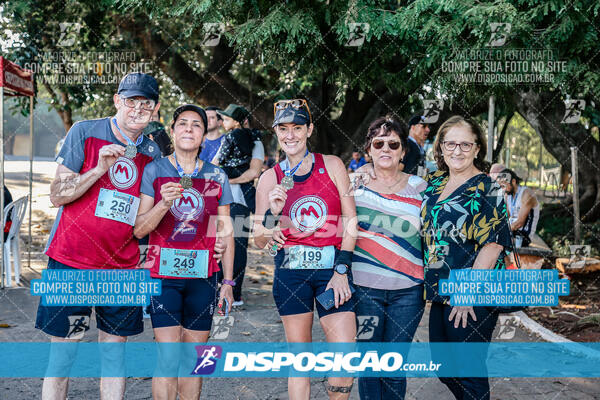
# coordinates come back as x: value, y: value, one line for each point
x: 378, y: 144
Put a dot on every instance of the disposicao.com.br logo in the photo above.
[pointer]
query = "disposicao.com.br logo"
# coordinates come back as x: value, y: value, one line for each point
x: 326, y: 361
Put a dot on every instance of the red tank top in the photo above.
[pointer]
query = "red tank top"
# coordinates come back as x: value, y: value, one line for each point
x: 311, y: 215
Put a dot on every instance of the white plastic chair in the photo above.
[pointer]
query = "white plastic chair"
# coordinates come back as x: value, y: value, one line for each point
x: 11, y: 244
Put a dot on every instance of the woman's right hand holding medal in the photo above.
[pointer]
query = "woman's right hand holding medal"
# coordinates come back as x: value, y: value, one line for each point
x: 277, y: 198
x: 170, y: 192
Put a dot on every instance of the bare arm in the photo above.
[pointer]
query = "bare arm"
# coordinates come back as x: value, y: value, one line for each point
x: 251, y: 173
x: 266, y: 183
x: 337, y: 173
x: 68, y: 185
x: 487, y: 257
x: 529, y: 202
x: 150, y: 214
x: 225, y: 231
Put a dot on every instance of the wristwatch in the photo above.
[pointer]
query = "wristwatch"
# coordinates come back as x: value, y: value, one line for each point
x: 341, y: 269
x: 228, y: 282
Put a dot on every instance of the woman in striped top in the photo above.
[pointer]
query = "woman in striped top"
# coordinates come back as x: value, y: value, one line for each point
x: 388, y: 259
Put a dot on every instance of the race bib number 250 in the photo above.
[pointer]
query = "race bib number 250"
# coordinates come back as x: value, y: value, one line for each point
x: 117, y: 206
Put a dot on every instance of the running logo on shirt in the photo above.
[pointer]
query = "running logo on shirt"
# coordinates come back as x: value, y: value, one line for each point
x: 308, y: 213
x: 123, y: 174
x: 189, y: 206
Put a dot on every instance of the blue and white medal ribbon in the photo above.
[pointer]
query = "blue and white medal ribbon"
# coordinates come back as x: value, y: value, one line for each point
x: 131, y: 148
x: 288, y: 180
x: 186, y: 179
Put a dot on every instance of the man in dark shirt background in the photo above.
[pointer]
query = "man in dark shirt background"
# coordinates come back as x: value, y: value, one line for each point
x: 415, y: 153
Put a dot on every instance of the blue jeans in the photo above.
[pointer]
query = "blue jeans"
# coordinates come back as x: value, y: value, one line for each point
x: 398, y: 313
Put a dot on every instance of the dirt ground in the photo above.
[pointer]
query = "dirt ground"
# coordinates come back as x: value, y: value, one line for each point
x: 578, y: 315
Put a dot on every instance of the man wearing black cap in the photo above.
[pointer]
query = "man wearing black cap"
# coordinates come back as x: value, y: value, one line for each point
x: 101, y: 164
x: 414, y: 159
x: 157, y: 133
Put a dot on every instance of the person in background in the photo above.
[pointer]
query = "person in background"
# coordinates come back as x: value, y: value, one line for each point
x: 523, y: 207
x: 7, y: 200
x: 495, y: 169
x: 269, y: 162
x: 156, y: 132
x: 241, y: 156
x: 214, y: 135
x: 464, y: 226
x: 387, y: 264
x: 414, y: 160
x: 356, y: 162
x: 235, y: 153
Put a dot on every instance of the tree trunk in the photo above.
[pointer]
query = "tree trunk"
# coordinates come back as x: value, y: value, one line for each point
x: 62, y: 106
x: 500, y: 144
x: 544, y: 112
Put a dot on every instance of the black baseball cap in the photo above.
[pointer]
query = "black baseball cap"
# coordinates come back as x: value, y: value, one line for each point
x: 291, y: 115
x: 138, y: 84
x: 415, y: 120
x: 191, y: 107
x: 236, y: 112
x: 215, y: 109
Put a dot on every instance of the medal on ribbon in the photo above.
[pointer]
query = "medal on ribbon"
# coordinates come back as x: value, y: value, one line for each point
x: 131, y: 148
x: 186, y: 179
x: 186, y: 182
x: 287, y: 182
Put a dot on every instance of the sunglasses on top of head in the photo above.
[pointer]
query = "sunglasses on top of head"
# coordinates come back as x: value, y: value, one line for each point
x: 295, y: 104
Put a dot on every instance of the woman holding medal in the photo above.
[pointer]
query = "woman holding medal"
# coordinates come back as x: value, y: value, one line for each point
x: 184, y: 207
x: 302, y: 202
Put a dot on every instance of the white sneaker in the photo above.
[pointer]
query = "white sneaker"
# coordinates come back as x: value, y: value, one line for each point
x: 237, y: 303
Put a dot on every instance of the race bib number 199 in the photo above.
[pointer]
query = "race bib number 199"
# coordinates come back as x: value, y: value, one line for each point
x: 117, y: 206
x: 308, y: 257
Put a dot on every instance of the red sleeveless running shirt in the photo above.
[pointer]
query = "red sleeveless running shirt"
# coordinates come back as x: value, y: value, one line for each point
x: 311, y: 215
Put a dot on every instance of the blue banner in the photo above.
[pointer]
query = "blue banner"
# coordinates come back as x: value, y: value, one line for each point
x: 147, y: 359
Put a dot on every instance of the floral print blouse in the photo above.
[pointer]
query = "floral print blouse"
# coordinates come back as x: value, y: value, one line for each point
x: 456, y: 228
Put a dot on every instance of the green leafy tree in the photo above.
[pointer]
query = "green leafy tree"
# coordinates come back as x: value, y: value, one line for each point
x: 272, y: 49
